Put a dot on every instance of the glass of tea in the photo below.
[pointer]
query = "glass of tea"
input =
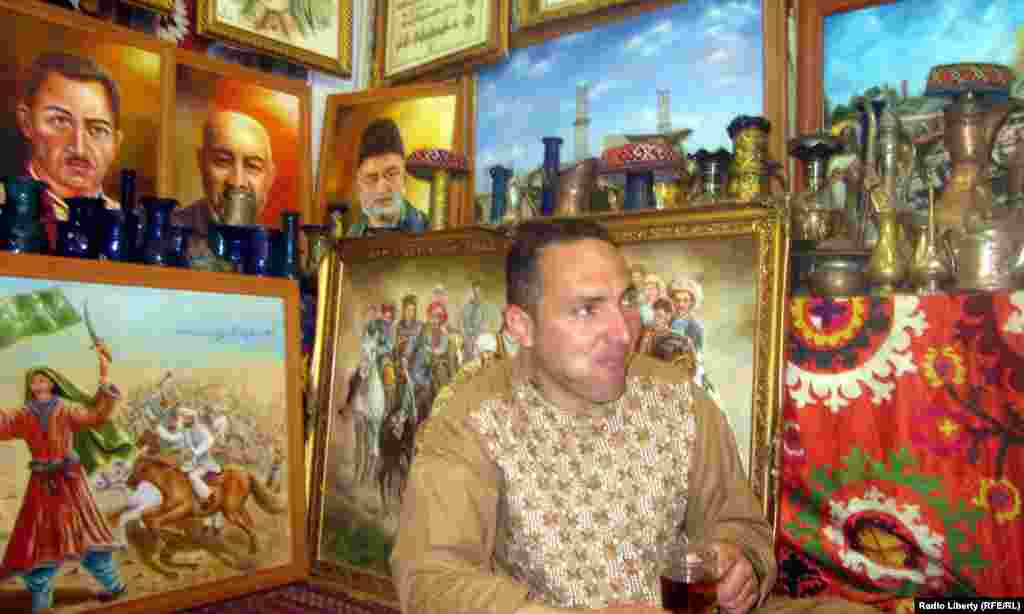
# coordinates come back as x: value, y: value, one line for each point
x: 689, y: 577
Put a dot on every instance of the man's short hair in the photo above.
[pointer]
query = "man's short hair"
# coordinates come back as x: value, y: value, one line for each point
x: 522, y: 277
x: 379, y: 138
x: 75, y: 68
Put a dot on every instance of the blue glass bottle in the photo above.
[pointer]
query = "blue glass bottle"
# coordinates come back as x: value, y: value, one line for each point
x: 78, y: 237
x: 500, y: 176
x: 21, y: 229
x: 552, y: 170
x: 287, y: 264
x: 178, y: 241
x: 258, y: 256
x: 155, y: 248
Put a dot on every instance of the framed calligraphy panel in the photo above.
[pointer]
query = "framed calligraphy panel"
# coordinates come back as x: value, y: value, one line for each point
x: 439, y: 37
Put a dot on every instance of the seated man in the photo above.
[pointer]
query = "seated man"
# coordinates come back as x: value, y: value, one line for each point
x: 547, y: 482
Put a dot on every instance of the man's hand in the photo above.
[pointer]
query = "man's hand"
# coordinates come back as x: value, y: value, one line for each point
x: 737, y: 588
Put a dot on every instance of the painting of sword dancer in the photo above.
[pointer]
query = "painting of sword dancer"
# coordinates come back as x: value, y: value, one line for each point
x: 149, y: 469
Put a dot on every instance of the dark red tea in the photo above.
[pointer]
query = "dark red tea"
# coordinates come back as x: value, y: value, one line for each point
x: 683, y: 597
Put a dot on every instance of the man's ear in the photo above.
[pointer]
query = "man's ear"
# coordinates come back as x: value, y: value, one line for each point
x: 520, y: 325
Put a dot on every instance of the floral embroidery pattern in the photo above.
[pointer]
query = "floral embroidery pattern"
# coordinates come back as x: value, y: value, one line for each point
x: 570, y: 535
x: 869, y: 362
x: 943, y: 366
x: 940, y: 429
x: 1000, y: 497
x: 886, y: 522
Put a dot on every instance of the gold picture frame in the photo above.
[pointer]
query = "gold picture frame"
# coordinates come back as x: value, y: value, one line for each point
x: 737, y: 252
x: 155, y: 322
x: 487, y: 41
x: 321, y: 41
x: 428, y: 115
x: 161, y: 6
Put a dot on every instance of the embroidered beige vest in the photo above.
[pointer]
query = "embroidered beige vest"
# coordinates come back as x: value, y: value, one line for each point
x: 586, y: 500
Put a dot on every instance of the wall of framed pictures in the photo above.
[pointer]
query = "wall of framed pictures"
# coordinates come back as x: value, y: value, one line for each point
x: 161, y: 99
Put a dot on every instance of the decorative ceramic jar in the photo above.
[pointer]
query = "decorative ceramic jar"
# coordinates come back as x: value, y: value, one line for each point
x: 437, y: 166
x: 748, y: 177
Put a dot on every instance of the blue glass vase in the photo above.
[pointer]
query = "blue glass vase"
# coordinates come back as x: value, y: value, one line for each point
x: 21, y: 228
x: 155, y: 248
x: 552, y: 168
x: 500, y: 176
x: 236, y: 239
x: 287, y: 264
x: 111, y: 235
x: 259, y: 255
x: 79, y: 236
x: 178, y: 241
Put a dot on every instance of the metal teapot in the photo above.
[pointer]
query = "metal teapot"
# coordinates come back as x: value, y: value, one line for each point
x: 988, y: 255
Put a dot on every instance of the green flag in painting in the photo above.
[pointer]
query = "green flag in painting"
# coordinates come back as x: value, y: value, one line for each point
x: 45, y: 312
x: 34, y: 313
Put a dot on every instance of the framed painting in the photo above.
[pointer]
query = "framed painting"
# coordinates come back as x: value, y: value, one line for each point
x: 176, y: 477
x: 428, y: 37
x: 407, y: 285
x: 732, y: 261
x: 226, y: 115
x: 851, y: 49
x: 426, y: 116
x: 699, y: 63
x: 98, y: 75
x: 392, y: 303
x: 313, y: 32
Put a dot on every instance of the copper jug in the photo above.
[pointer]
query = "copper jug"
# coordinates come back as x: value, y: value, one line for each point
x: 971, y: 122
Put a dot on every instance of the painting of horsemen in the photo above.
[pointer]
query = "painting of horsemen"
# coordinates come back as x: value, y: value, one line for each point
x: 408, y: 316
x: 412, y: 316
x: 152, y: 460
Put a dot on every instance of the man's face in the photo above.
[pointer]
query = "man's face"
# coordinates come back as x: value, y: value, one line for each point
x: 70, y: 127
x: 236, y: 156
x: 380, y: 182
x: 683, y: 301
x: 42, y: 387
x: 584, y: 328
x: 409, y: 312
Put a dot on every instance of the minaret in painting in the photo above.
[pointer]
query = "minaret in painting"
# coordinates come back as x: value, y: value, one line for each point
x: 582, y: 122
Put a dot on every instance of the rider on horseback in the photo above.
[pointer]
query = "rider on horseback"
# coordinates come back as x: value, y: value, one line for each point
x: 197, y: 439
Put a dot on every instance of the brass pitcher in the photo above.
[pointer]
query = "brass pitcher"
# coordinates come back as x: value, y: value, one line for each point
x: 928, y: 267
x: 971, y: 123
x: 887, y: 267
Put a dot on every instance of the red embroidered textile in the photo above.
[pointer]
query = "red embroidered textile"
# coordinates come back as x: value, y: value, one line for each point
x: 903, y: 448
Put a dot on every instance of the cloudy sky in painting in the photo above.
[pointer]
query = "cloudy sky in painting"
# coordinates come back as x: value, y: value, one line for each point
x: 893, y: 42
x: 706, y: 52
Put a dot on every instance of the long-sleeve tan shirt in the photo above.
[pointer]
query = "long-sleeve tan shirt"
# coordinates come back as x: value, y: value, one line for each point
x: 511, y: 500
